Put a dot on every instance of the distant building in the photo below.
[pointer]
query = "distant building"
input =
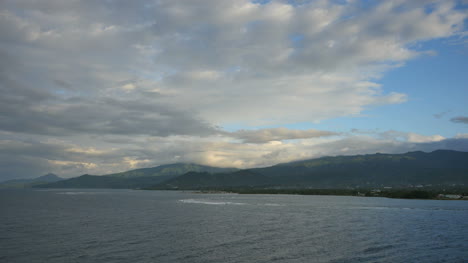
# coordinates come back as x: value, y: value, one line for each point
x: 453, y: 196
x: 450, y: 196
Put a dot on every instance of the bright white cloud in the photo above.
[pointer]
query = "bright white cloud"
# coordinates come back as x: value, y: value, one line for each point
x: 412, y: 137
x: 277, y: 134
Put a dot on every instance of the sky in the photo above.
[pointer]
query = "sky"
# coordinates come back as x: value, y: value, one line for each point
x: 105, y: 86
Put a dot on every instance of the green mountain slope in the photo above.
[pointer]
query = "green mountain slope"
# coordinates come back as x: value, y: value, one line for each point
x: 138, y: 178
x: 95, y: 181
x: 362, y: 171
x: 172, y: 170
x: 194, y: 180
x: 438, y: 168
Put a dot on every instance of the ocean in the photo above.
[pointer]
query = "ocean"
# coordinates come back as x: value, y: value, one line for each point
x: 76, y: 225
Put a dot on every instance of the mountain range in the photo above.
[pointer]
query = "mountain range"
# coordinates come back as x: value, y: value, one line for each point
x: 438, y: 168
x: 138, y: 178
x: 28, y: 183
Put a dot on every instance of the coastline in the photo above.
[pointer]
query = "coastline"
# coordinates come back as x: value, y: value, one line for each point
x: 395, y: 194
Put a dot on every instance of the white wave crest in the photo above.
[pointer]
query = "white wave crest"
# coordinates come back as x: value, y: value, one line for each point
x: 208, y: 202
x: 272, y: 204
x: 80, y: 193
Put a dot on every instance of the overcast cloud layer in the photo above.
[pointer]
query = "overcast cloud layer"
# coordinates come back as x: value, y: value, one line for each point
x: 104, y: 86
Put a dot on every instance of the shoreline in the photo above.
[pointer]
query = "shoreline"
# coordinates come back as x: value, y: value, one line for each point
x: 395, y: 194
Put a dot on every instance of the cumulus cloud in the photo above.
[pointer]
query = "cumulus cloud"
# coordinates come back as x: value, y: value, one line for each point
x: 224, y: 62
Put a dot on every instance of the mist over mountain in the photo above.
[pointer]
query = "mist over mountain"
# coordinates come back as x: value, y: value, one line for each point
x: 412, y: 169
x: 28, y: 183
x: 137, y: 178
x: 171, y: 170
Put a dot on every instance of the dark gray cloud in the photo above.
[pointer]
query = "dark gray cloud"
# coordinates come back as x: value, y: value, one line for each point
x: 19, y: 167
x: 460, y: 119
x: 99, y: 117
x: 27, y: 159
x: 38, y: 111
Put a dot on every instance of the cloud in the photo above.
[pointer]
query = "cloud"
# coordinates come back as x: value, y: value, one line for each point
x: 461, y: 136
x: 28, y: 158
x: 407, y: 136
x: 368, y: 145
x: 413, y: 137
x: 460, y: 119
x: 35, y: 111
x: 278, y: 134
x: 149, y: 83
x: 219, y: 62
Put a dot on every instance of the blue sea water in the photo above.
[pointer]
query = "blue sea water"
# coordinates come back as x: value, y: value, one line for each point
x: 159, y: 226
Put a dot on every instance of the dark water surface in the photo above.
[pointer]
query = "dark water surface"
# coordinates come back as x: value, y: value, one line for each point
x: 156, y: 226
